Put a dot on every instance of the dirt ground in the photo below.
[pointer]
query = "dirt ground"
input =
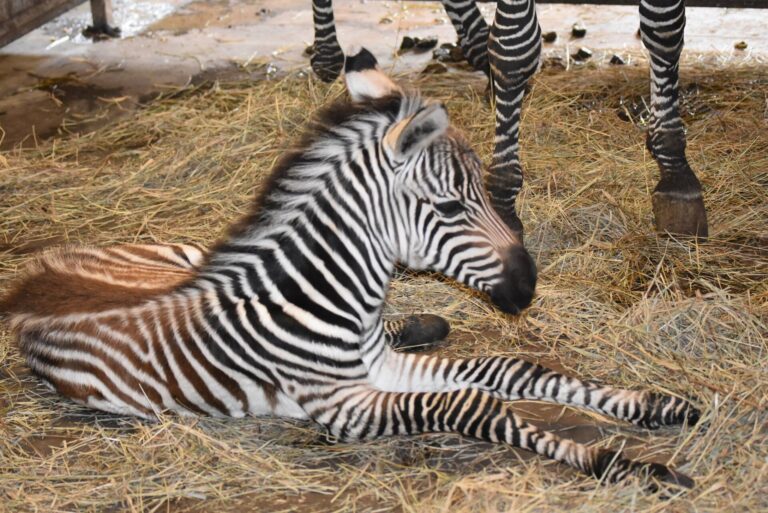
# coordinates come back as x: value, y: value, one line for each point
x: 615, y: 303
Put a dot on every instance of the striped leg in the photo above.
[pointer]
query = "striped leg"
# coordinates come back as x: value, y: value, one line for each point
x: 472, y: 31
x: 327, y: 59
x: 363, y: 413
x: 514, y: 48
x: 511, y: 379
x: 678, y: 205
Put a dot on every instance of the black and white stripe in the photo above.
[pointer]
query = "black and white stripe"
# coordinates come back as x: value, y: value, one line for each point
x: 509, y: 53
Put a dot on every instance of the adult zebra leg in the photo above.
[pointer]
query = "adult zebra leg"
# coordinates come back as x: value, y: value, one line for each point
x: 514, y: 48
x: 511, y: 379
x: 472, y: 31
x: 327, y: 58
x: 678, y: 205
x: 364, y: 413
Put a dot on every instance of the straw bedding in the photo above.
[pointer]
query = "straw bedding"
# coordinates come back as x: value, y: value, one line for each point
x: 615, y: 304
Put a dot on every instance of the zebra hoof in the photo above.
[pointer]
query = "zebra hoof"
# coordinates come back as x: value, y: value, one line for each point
x: 420, y: 333
x: 327, y: 61
x: 678, y: 207
x: 664, y: 474
x: 610, y: 467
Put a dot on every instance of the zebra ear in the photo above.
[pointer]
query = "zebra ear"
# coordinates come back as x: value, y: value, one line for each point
x: 364, y: 78
x: 414, y: 133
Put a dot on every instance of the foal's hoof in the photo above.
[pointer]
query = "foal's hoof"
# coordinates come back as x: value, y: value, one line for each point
x: 678, y: 206
x: 327, y: 61
x: 664, y: 474
x: 418, y: 332
x: 612, y: 468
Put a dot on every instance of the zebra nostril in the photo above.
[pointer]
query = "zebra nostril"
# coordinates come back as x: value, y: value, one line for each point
x: 516, y: 290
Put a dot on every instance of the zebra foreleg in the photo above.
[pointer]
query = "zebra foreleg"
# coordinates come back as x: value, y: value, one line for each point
x: 678, y: 205
x: 327, y: 58
x: 472, y: 31
x: 514, y: 48
x: 369, y: 414
x: 512, y: 379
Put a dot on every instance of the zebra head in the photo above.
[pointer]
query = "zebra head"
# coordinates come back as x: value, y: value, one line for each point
x: 444, y: 219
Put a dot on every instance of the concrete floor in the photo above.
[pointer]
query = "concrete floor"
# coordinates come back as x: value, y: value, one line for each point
x: 54, y: 77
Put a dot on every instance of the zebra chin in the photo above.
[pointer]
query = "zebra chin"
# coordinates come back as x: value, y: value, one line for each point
x: 518, y: 285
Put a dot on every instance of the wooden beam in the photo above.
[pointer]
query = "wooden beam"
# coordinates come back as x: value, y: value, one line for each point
x: 17, y: 17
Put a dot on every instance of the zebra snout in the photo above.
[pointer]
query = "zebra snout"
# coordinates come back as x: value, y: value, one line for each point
x: 515, y: 291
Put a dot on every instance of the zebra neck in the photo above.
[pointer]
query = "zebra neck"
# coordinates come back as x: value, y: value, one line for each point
x: 324, y: 237
x: 338, y: 276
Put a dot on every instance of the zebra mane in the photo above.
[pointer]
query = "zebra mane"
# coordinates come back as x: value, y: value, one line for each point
x: 323, y: 126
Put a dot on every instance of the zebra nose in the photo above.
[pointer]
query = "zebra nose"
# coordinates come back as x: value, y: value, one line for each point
x: 516, y: 289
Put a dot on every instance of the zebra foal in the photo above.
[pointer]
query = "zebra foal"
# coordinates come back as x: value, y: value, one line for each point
x: 509, y: 53
x: 283, y: 317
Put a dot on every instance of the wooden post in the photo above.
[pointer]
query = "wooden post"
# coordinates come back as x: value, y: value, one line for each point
x: 103, y: 23
x: 101, y: 10
x: 17, y: 17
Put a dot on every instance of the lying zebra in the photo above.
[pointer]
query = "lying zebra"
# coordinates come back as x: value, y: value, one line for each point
x: 509, y: 51
x: 283, y: 317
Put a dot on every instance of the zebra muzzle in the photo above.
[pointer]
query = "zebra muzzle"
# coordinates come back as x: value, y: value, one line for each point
x: 515, y: 292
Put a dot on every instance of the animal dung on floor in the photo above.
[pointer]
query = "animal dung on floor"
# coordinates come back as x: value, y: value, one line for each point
x: 583, y: 54
x: 417, y: 44
x: 449, y: 52
x: 434, y: 68
x: 617, y: 60
x: 578, y: 30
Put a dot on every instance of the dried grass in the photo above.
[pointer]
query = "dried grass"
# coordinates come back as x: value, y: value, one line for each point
x: 615, y: 303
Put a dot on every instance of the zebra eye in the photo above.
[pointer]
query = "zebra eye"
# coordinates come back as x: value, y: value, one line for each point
x: 450, y: 208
